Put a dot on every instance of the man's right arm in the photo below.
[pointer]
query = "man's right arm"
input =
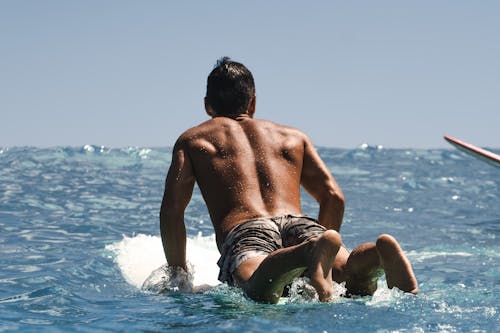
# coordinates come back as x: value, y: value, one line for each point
x: 319, y: 182
x: 179, y: 186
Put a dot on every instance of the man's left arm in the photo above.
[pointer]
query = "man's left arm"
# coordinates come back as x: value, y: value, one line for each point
x: 319, y: 182
x: 179, y: 186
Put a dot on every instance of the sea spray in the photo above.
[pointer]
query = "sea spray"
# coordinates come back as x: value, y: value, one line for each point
x: 141, y: 258
x: 169, y: 279
x: 301, y: 291
x: 137, y: 257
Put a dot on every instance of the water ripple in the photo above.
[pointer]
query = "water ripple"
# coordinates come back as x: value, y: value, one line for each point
x: 60, y: 207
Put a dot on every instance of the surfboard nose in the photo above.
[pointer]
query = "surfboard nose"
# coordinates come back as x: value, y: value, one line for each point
x: 479, y: 153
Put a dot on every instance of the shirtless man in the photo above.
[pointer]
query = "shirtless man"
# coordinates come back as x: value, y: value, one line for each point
x: 249, y: 172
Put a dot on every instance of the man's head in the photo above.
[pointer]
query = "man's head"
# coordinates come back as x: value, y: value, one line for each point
x: 230, y: 89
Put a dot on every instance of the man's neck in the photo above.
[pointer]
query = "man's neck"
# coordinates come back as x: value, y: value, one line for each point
x: 241, y: 116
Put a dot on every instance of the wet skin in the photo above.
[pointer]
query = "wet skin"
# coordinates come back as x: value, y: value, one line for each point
x: 248, y: 168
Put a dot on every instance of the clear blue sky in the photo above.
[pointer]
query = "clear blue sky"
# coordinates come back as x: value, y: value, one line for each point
x: 133, y: 73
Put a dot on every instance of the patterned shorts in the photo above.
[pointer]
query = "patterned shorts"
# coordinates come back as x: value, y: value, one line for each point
x: 262, y: 236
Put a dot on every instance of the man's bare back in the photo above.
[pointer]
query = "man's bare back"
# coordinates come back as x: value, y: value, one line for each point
x: 247, y: 168
x: 250, y: 172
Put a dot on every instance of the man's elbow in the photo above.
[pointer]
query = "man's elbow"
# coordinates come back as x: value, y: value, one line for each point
x: 339, y: 201
x: 334, y: 198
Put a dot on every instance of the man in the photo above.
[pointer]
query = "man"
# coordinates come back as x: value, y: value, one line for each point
x: 249, y: 172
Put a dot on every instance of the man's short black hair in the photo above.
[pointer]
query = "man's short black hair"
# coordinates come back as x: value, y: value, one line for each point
x: 230, y: 87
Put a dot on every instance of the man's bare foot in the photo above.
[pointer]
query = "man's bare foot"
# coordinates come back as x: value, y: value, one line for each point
x: 363, y: 269
x: 323, y: 252
x: 397, y: 268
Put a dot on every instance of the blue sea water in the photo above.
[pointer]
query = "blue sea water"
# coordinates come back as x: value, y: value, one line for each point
x: 79, y: 235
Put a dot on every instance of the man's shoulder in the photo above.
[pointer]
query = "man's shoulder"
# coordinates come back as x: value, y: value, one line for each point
x: 284, y: 129
x: 199, y: 133
x: 194, y: 133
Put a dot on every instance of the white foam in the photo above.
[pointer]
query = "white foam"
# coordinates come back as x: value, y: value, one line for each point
x: 301, y: 291
x: 384, y: 296
x: 424, y: 255
x: 140, y: 255
x: 444, y: 307
x: 89, y: 148
x: 402, y: 330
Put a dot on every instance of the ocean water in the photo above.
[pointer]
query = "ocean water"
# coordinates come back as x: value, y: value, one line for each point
x: 80, y: 234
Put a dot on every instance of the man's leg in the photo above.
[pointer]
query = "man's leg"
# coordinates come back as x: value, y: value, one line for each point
x: 366, y: 263
x: 362, y: 270
x: 263, y: 278
x: 397, y: 267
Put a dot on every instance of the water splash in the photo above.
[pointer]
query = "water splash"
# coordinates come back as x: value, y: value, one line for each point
x: 141, y: 258
x: 169, y: 279
x: 301, y: 291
